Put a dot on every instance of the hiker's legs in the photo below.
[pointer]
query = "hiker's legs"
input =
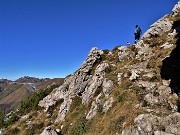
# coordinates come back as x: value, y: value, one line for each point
x: 138, y: 36
x: 135, y: 38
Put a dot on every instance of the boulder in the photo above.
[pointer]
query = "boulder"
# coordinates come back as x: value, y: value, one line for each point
x: 176, y: 9
x: 158, y: 28
x: 124, y: 52
x: 49, y: 131
x: 151, y: 124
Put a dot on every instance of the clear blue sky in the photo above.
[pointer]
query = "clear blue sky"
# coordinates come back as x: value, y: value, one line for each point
x: 51, y: 38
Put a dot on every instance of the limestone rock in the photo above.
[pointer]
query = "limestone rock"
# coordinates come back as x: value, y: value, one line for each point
x: 148, y: 76
x: 134, y: 75
x: 146, y: 84
x: 158, y: 28
x: 107, y: 87
x: 162, y: 133
x: 108, y: 104
x: 75, y: 84
x: 64, y: 109
x: 166, y: 82
x: 130, y: 132
x: 124, y: 53
x: 176, y: 9
x: 166, y: 45
x: 173, y: 34
x: 151, y: 124
x: 149, y: 98
x: 94, y: 108
x: 144, y: 51
x: 49, y: 131
x: 119, y: 76
x: 95, y: 82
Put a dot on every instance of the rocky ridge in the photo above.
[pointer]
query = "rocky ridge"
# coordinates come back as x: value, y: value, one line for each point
x: 84, y: 84
x: 130, y: 90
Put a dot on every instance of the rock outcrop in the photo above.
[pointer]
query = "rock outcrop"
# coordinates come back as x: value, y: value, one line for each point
x: 159, y: 27
x: 151, y: 124
x: 176, y: 9
x: 159, y: 94
x: 82, y: 83
x: 49, y: 131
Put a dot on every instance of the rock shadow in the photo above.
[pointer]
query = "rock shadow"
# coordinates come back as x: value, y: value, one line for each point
x: 171, y: 66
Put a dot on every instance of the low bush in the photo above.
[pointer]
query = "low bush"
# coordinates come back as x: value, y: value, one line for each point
x: 12, y: 119
x: 2, y: 115
x: 31, y: 103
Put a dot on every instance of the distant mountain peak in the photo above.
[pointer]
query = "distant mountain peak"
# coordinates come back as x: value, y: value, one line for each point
x: 28, y: 79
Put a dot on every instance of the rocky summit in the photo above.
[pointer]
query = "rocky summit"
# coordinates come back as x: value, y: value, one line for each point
x: 130, y: 90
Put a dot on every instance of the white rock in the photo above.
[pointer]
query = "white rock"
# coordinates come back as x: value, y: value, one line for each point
x: 119, y: 76
x: 158, y: 28
x: 107, y: 87
x: 134, y: 75
x: 167, y: 45
x: 176, y: 9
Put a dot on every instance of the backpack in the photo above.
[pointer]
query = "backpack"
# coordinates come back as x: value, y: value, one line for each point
x: 139, y: 30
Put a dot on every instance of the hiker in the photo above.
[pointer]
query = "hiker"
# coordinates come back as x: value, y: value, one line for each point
x: 137, y: 33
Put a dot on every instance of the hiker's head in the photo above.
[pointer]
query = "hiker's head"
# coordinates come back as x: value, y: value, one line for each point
x: 136, y: 26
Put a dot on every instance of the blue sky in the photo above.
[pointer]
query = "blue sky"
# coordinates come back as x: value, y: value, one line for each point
x: 51, y: 38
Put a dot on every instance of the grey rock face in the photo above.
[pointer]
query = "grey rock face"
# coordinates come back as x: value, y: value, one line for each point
x: 80, y: 83
x: 108, y: 104
x: 107, y: 87
x: 151, y: 124
x: 176, y: 9
x: 119, y: 77
x: 146, y: 84
x: 48, y: 131
x: 95, y: 82
x: 124, y: 53
x: 149, y: 98
x: 130, y: 132
x: 144, y: 51
x: 94, y: 108
x: 73, y: 85
x: 166, y: 45
x: 158, y: 28
x: 107, y: 90
x: 134, y: 74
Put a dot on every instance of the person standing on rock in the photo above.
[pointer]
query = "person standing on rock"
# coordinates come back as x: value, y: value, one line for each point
x: 137, y: 33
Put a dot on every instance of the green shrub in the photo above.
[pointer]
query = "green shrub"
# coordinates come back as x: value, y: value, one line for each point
x: 2, y: 115
x: 13, y: 118
x: 34, y: 129
x: 144, y: 103
x: 106, y: 51
x: 31, y: 103
x: 115, y: 49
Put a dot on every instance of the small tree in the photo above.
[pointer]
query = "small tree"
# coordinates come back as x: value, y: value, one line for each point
x: 2, y: 115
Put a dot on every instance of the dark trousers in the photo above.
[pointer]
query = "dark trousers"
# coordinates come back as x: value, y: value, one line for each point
x: 137, y: 36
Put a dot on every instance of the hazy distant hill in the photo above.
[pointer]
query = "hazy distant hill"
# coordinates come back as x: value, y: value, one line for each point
x: 13, y: 92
